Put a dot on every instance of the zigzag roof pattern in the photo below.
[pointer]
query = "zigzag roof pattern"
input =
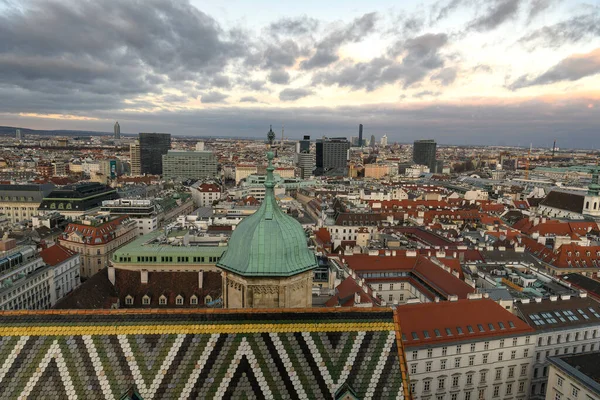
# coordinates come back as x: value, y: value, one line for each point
x: 197, y: 354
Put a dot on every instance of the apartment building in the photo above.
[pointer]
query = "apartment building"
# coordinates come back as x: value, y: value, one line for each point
x: 142, y: 211
x: 21, y: 202
x: 25, y: 282
x: 466, y: 350
x: 564, y: 325
x: 205, y: 194
x: 575, y: 377
x: 97, y: 238
x: 65, y: 264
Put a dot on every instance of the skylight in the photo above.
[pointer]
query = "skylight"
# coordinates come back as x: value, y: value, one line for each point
x: 414, y: 336
x: 480, y: 328
x: 491, y: 326
x: 511, y: 324
x: 459, y: 330
x: 501, y: 325
x: 437, y: 333
x: 470, y: 328
x: 426, y: 334
x: 448, y: 332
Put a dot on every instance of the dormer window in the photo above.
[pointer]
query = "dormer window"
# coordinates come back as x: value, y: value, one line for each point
x: 129, y: 300
x: 207, y: 299
x: 569, y: 254
x: 179, y: 300
x: 162, y: 300
x: 194, y: 300
x: 146, y: 300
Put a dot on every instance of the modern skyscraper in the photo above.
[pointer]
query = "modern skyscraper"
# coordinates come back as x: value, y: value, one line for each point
x: 360, y: 138
x: 117, y: 130
x: 152, y: 147
x: 303, y: 145
x: 134, y: 155
x: 305, y: 160
x: 332, y: 153
x: 18, y: 134
x: 424, y: 152
x: 189, y: 165
x: 271, y: 136
x: 384, y: 141
x: 372, y: 144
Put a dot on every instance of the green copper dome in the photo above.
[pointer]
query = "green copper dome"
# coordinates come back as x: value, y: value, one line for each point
x: 268, y: 242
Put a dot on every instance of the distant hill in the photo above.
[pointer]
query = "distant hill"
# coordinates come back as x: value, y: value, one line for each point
x: 10, y: 131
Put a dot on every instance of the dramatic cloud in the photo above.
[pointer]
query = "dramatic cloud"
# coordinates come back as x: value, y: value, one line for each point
x: 441, y: 10
x: 294, y: 94
x: 498, y: 13
x: 280, y: 77
x: 248, y: 99
x: 573, y: 30
x: 573, y: 68
x: 294, y: 26
x: 538, y: 7
x: 213, y: 97
x: 446, y: 76
x: 327, y: 48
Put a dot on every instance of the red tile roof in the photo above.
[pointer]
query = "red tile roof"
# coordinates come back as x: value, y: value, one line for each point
x: 345, y: 292
x: 56, y: 254
x: 441, y: 280
x: 448, y: 316
x: 96, y: 234
x: 209, y: 187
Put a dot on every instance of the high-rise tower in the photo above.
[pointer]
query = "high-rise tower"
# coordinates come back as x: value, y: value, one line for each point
x: 360, y: 138
x: 152, y: 147
x: 424, y: 152
x: 117, y: 130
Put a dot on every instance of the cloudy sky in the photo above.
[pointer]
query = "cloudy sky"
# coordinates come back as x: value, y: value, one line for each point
x: 509, y: 72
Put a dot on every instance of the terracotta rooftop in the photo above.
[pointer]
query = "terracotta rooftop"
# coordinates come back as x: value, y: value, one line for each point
x: 456, y: 321
x: 56, y: 254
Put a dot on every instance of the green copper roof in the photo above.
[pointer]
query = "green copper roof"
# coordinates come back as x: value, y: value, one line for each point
x: 269, y: 242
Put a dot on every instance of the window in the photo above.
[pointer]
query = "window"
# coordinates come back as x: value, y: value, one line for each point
x: 162, y: 300
x: 442, y: 364
x: 458, y: 349
x: 454, y: 396
x: 444, y: 351
x: 496, y: 390
x: 521, y: 387
x: 426, y: 386
x: 129, y: 300
x: 146, y: 300
x: 501, y: 343
x: 486, y: 345
x: 527, y: 338
x: 194, y: 299
x: 457, y: 362
x: 511, y: 372
x: 413, y: 368
x: 467, y: 395
x: 574, y: 391
x: 513, y: 354
x: 515, y: 340
x: 557, y: 396
x: 472, y: 347
x: 455, y: 380
x: 498, y: 374
x: 413, y: 387
x: 391, y: 297
x: 441, y: 383
x: 471, y: 360
x: 482, y: 376
x: 509, y: 388
x: 415, y: 353
x: 525, y: 353
x: 470, y: 378
x: 482, y: 393
x: 429, y: 353
x: 179, y: 300
x: 428, y: 366
x: 485, y: 358
x: 500, y: 356
x: 559, y: 380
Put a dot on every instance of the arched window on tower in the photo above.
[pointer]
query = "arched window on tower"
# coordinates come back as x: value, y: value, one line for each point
x: 587, y: 205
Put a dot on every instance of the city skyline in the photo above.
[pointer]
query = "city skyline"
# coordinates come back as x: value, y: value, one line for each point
x: 461, y: 72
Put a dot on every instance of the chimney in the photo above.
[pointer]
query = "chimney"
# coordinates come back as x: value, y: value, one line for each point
x: 474, y: 296
x: 583, y: 294
x: 144, y: 275
x: 394, y: 253
x: 553, y: 298
x: 200, y: 279
x: 111, y: 274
